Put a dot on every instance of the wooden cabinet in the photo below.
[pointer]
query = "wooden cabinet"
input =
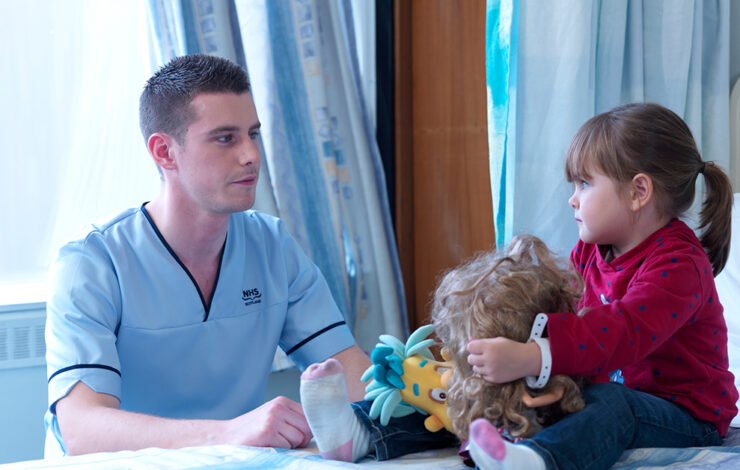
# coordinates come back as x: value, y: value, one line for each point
x: 443, y: 192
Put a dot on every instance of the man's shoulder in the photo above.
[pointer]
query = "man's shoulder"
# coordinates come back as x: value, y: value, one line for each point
x: 125, y: 217
x: 256, y: 221
x: 113, y: 226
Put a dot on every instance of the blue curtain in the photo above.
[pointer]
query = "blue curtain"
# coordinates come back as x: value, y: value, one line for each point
x: 553, y: 65
x: 325, y: 175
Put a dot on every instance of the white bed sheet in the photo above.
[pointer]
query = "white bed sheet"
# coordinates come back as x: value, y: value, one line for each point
x: 224, y: 457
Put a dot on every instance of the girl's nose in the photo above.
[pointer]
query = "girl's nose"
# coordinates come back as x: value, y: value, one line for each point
x: 572, y: 201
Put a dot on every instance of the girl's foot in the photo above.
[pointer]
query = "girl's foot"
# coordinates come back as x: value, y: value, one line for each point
x: 490, y: 452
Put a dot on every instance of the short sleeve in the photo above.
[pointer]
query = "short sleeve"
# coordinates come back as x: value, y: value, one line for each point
x: 83, y: 313
x: 315, y: 329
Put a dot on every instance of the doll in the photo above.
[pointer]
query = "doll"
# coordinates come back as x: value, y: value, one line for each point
x: 500, y: 294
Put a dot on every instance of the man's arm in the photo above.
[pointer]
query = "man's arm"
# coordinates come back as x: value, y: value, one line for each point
x: 355, y: 362
x: 93, y: 422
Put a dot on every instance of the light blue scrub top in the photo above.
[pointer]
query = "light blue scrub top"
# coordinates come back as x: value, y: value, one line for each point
x: 126, y: 318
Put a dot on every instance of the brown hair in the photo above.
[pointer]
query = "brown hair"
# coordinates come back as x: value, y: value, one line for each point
x: 651, y: 139
x: 500, y: 294
x: 164, y: 104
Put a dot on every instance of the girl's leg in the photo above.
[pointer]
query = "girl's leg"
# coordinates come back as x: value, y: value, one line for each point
x: 617, y: 418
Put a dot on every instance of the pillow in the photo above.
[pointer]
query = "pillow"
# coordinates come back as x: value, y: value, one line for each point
x: 728, y: 289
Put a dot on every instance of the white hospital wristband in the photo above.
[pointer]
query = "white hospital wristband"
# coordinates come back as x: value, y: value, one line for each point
x: 538, y: 328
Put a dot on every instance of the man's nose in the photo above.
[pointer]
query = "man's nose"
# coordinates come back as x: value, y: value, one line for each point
x: 249, y: 154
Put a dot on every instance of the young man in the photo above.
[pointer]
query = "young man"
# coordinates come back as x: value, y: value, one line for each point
x: 162, y: 322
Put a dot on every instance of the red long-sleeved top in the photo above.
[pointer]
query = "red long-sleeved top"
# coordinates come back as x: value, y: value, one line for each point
x: 662, y: 326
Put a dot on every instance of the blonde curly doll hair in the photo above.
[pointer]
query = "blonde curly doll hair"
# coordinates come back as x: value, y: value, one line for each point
x: 499, y: 294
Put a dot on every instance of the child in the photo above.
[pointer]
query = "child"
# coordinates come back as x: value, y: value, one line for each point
x: 654, y: 338
x: 494, y: 294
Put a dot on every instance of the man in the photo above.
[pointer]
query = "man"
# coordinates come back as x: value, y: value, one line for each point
x: 163, y: 322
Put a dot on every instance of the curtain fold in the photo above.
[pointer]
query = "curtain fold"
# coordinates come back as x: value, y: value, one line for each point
x: 324, y: 160
x: 576, y: 59
x: 323, y: 175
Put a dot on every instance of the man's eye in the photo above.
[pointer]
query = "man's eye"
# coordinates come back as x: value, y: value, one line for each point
x: 254, y: 135
x: 225, y: 139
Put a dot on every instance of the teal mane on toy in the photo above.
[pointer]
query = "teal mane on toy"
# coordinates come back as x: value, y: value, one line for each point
x: 388, y: 369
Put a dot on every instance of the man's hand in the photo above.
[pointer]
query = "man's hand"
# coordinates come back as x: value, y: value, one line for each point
x: 278, y: 423
x: 501, y: 360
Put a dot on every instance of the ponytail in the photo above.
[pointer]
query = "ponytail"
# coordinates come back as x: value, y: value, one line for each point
x: 716, y: 215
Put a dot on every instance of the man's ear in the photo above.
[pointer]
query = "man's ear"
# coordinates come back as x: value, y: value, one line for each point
x: 641, y: 191
x: 161, y: 148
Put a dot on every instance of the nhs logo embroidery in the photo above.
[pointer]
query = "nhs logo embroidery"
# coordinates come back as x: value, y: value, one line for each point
x: 251, y: 296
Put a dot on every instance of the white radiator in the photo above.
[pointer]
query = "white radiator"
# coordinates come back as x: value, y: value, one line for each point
x: 22, y: 339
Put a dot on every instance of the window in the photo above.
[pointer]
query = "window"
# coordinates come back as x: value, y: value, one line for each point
x: 71, y: 151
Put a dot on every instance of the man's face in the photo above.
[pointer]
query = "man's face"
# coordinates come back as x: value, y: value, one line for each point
x: 218, y: 160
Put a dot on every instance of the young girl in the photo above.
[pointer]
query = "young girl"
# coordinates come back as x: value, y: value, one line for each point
x: 654, y: 338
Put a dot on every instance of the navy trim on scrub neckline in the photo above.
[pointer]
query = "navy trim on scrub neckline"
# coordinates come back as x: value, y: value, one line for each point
x: 84, y: 366
x: 206, y: 307
x: 322, y: 331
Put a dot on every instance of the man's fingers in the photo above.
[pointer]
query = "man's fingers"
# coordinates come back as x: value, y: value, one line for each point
x: 293, y: 426
x: 291, y: 434
x: 297, y: 418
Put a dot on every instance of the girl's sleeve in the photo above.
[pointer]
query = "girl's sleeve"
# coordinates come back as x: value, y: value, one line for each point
x: 664, y: 294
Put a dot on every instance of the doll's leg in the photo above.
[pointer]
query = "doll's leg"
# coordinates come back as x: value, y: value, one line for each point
x: 339, y: 434
x: 401, y: 436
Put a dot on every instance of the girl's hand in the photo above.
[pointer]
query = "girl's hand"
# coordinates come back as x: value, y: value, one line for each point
x: 501, y: 360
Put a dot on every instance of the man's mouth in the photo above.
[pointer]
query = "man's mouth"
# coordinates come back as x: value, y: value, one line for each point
x: 248, y: 181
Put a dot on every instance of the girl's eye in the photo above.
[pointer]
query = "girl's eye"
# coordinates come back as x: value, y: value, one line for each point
x: 583, y: 184
x: 438, y: 394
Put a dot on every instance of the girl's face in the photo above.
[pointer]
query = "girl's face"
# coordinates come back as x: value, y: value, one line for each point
x: 602, y: 212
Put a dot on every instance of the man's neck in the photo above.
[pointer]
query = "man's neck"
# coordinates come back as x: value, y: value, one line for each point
x: 197, y: 238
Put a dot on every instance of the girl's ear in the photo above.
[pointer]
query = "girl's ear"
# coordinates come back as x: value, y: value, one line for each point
x: 161, y: 148
x: 641, y: 191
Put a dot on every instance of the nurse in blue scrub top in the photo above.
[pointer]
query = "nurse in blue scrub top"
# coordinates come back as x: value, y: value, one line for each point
x: 163, y: 321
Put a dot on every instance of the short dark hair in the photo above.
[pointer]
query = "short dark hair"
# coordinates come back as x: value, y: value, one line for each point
x: 164, y: 103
